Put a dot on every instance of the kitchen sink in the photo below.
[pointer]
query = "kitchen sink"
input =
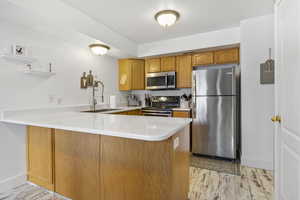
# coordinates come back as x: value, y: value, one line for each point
x: 101, y: 110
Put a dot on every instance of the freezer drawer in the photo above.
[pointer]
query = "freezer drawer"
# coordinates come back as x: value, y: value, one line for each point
x: 214, y: 126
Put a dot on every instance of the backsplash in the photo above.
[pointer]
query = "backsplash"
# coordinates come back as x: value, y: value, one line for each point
x: 179, y: 92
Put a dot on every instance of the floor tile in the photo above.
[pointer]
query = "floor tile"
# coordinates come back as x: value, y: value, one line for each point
x: 205, y: 184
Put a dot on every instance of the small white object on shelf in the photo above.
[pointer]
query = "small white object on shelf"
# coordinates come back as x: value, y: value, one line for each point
x: 39, y: 72
x: 21, y: 59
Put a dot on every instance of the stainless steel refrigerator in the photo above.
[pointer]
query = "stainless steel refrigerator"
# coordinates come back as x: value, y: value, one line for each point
x: 215, y: 129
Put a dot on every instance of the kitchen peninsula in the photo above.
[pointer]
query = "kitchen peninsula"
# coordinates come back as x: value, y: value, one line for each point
x: 106, y: 156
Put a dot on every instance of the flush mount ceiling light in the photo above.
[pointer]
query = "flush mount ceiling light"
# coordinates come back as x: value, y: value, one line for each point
x: 99, y: 49
x: 167, y: 18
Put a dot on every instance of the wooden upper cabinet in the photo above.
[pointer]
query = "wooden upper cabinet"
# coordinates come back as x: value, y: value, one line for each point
x: 124, y: 75
x: 168, y: 64
x: 203, y: 58
x: 131, y: 74
x: 153, y: 65
x: 184, y: 71
x: 227, y: 56
x: 40, y: 156
x: 138, y: 75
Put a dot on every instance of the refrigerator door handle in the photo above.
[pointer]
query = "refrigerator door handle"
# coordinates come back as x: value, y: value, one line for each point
x: 194, y: 108
x: 194, y: 84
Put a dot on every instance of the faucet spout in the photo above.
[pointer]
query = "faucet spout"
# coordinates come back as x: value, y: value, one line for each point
x: 96, y: 84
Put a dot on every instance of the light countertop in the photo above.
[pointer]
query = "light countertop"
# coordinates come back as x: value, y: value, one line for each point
x: 126, y: 126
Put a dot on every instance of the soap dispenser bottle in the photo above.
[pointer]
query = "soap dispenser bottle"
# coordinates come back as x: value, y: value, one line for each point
x: 83, y: 81
x: 90, y: 79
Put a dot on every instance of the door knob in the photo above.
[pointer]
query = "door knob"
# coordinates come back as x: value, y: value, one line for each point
x: 276, y: 119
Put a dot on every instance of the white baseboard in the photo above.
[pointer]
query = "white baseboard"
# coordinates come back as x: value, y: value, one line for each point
x: 12, y: 182
x: 268, y: 165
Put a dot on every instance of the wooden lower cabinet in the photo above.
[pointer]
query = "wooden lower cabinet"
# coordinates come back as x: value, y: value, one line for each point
x: 97, y: 167
x: 77, y: 165
x: 120, y: 113
x: 131, y: 112
x: 135, y: 112
x: 182, y: 114
x: 145, y: 170
x: 40, y: 156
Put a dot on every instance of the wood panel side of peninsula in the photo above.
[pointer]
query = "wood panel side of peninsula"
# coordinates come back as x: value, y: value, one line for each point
x: 98, y: 167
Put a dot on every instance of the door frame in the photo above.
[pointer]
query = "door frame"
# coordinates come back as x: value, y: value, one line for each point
x: 277, y: 110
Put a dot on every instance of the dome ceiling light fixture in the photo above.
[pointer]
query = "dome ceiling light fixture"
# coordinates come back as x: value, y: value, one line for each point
x: 167, y: 18
x: 99, y: 49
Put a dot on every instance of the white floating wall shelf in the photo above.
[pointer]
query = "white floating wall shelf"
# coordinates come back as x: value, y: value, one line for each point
x: 20, y: 59
x: 39, y: 72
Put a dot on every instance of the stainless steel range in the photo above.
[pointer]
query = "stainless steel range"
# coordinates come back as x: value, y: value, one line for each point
x: 162, y: 106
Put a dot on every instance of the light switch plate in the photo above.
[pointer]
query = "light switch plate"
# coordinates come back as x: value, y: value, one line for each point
x: 267, y: 73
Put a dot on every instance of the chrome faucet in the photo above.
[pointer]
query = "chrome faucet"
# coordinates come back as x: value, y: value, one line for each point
x: 95, y: 85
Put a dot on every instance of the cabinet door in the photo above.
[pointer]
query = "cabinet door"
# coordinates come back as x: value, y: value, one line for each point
x: 121, y: 113
x: 40, y: 156
x: 181, y: 114
x: 77, y: 165
x: 184, y: 71
x: 153, y: 65
x: 227, y: 56
x: 168, y: 64
x: 134, y: 112
x: 124, y: 75
x: 205, y: 58
x: 138, y: 75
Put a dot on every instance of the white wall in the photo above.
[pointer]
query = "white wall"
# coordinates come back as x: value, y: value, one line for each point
x: 193, y: 42
x: 257, y: 36
x: 19, y: 90
x: 40, y: 15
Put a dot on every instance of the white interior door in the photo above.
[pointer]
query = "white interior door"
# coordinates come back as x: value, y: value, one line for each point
x: 287, y: 139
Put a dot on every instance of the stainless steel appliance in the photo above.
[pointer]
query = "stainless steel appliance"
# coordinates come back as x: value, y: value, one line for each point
x: 215, y: 129
x: 163, y: 80
x: 162, y: 106
x: 132, y: 100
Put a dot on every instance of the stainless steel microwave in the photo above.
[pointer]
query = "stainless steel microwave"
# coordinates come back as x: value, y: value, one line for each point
x: 163, y: 80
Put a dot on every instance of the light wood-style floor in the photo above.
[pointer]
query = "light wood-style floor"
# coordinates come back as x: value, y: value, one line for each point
x: 251, y: 184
